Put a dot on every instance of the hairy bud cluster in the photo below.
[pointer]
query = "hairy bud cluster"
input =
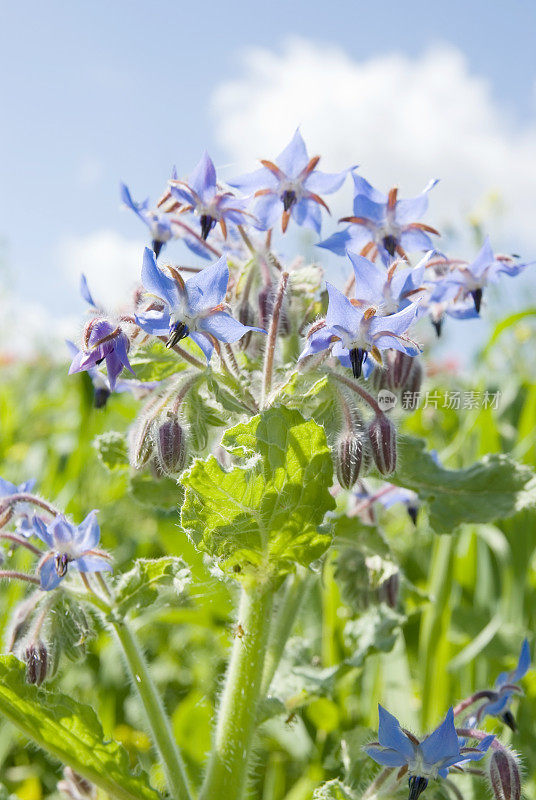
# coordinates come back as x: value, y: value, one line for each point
x: 157, y: 438
x: 504, y: 774
x: 382, y: 439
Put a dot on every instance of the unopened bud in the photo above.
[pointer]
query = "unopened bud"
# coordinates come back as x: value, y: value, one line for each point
x: 75, y: 786
x: 266, y: 300
x: 382, y: 438
x: 389, y: 590
x: 379, y: 379
x: 140, y: 443
x: 399, y: 368
x: 414, y: 380
x: 171, y: 450
x: 36, y: 658
x: 246, y: 316
x: 504, y: 775
x: 349, y: 457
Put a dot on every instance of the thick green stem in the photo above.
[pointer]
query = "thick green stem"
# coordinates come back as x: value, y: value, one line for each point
x: 284, y: 622
x: 157, y: 718
x: 227, y: 770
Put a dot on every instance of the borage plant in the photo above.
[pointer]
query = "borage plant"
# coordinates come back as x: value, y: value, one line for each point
x: 269, y: 414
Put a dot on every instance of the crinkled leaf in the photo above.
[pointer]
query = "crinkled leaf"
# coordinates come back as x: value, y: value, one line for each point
x: 112, y: 450
x: 165, y: 493
x: 148, y: 578
x: 374, y: 631
x: 334, y: 790
x: 226, y: 391
x: 491, y: 489
x: 268, y: 511
x: 69, y: 731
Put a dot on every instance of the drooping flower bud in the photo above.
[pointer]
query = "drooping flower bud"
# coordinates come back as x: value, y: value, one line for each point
x: 75, y: 786
x: 413, y: 382
x: 36, y: 658
x: 171, y: 448
x: 505, y: 775
x: 389, y: 590
x: 140, y: 443
x: 382, y: 438
x: 350, y: 458
x: 399, y: 368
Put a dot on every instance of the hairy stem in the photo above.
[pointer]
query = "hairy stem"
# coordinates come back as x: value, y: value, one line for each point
x: 162, y: 733
x: 272, y: 336
x: 227, y: 771
x: 355, y: 387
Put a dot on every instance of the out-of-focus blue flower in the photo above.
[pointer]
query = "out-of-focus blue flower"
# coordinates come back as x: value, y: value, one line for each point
x: 429, y: 759
x: 201, y: 195
x: 290, y: 187
x: 485, y: 269
x: 194, y: 308
x: 103, y: 342
x: 158, y: 222
x: 499, y: 699
x: 387, y: 291
x: 7, y: 488
x: 101, y: 385
x: 352, y: 331
x: 69, y: 545
x: 382, y: 224
x: 22, y: 511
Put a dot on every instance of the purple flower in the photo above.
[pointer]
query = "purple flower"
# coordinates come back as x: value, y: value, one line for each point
x: 194, y: 308
x: 429, y: 759
x: 498, y: 700
x: 69, y: 545
x: 352, y: 331
x: 382, y: 224
x: 290, y: 187
x: 158, y: 222
x: 485, y: 269
x: 103, y: 341
x: 203, y: 197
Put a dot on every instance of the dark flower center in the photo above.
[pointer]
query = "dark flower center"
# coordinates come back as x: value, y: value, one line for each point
x: 288, y: 199
x: 100, y: 398
x: 508, y: 719
x: 157, y: 246
x: 438, y: 324
x: 178, y: 331
x: 207, y: 223
x: 61, y: 562
x: 417, y: 785
x: 390, y: 244
x: 358, y: 356
x: 477, y: 299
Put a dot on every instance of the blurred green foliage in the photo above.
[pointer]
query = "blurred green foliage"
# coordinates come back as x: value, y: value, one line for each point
x: 467, y: 599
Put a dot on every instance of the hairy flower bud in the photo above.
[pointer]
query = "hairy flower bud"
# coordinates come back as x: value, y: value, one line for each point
x: 505, y: 775
x: 75, y: 786
x: 399, y: 368
x: 349, y: 457
x: 389, y: 590
x: 171, y: 450
x: 413, y: 381
x: 36, y: 658
x: 140, y: 439
x: 382, y: 438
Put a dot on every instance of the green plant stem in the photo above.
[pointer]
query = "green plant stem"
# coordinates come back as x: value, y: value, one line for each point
x: 227, y: 770
x: 157, y: 718
x: 284, y: 622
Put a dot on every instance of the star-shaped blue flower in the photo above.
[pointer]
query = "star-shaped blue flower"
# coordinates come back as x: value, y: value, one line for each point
x: 194, y: 308
x: 69, y: 545
x: 499, y: 699
x: 387, y: 291
x: 201, y: 195
x: 382, y: 224
x: 290, y: 187
x: 352, y: 331
x: 429, y: 759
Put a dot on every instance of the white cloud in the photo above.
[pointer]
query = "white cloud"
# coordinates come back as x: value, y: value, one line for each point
x: 23, y: 326
x: 110, y: 262
x: 402, y: 119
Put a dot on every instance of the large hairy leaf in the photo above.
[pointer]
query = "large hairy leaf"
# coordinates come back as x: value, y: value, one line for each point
x: 69, y: 731
x: 266, y: 513
x: 491, y: 489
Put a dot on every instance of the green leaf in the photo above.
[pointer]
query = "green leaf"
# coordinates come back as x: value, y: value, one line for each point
x: 147, y: 579
x: 69, y: 628
x: 155, y: 362
x: 266, y: 513
x: 69, y: 731
x: 334, y: 790
x: 491, y: 489
x: 162, y: 493
x: 374, y: 631
x: 112, y: 450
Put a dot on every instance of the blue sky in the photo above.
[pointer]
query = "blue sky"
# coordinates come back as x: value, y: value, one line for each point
x: 96, y: 92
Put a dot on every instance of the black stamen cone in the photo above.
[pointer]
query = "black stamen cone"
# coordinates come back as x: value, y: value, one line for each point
x: 100, y: 398
x: 157, y: 246
x: 390, y: 244
x: 413, y: 512
x: 477, y: 298
x: 358, y: 356
x: 289, y: 198
x: 438, y: 324
x: 508, y: 719
x: 417, y: 785
x: 207, y: 223
x: 178, y: 332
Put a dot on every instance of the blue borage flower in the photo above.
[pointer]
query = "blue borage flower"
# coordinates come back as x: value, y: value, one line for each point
x: 194, y: 308
x: 382, y: 224
x: 70, y: 545
x: 487, y: 268
x: 352, y: 330
x: 429, y: 759
x: 290, y: 187
x: 499, y: 698
x: 23, y: 511
x: 388, y: 291
x: 201, y: 195
x: 159, y: 224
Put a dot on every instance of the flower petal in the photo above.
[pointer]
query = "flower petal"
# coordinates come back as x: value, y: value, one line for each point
x: 203, y: 178
x: 442, y: 744
x: 391, y: 735
x: 226, y: 328
x: 203, y: 341
x: 48, y: 575
x: 155, y: 282
x: 62, y: 532
x: 385, y: 756
x: 325, y: 182
x: 294, y: 157
x: 369, y: 279
x: 341, y: 312
x: 88, y: 533
x: 208, y: 288
x: 89, y: 563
